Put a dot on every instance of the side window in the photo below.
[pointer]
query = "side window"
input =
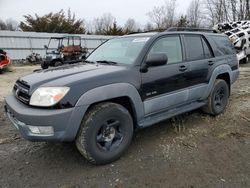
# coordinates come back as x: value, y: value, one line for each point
x: 194, y: 47
x: 222, y: 45
x: 207, y: 51
x: 171, y: 46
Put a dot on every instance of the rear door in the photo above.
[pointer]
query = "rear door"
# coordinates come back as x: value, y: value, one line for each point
x: 200, y: 59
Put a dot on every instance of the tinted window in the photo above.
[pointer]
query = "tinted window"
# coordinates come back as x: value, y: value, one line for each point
x: 207, y: 51
x: 235, y: 30
x: 222, y: 45
x: 171, y: 46
x: 240, y: 34
x: 194, y: 47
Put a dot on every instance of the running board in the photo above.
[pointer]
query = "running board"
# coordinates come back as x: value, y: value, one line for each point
x: 158, y: 117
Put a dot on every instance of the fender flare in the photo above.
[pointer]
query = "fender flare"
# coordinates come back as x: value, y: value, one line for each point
x: 222, y: 69
x: 112, y: 91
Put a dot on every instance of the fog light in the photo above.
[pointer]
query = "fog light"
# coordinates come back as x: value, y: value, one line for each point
x: 42, y: 130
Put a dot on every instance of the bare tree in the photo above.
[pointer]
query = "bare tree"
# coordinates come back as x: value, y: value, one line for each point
x: 247, y: 16
x: 2, y: 25
x: 227, y: 10
x: 12, y: 24
x: 148, y: 27
x: 157, y: 16
x: 103, y: 23
x: 218, y: 11
x: 9, y: 24
x: 241, y: 10
x: 234, y: 9
x: 170, y: 7
x: 194, y: 13
x: 131, y: 26
x: 163, y: 16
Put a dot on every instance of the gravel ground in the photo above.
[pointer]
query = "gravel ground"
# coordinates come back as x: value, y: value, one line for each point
x: 191, y: 150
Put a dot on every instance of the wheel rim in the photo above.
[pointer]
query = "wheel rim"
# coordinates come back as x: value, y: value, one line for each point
x: 57, y: 64
x: 219, y: 98
x: 110, y: 135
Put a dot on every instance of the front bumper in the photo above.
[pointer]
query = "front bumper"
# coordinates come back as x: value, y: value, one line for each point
x: 65, y: 122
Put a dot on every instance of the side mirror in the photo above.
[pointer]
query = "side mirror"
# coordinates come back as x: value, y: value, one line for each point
x: 46, y: 47
x: 156, y: 59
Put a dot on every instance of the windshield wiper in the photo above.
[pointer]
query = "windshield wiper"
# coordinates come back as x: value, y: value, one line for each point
x: 107, y: 62
x: 92, y: 62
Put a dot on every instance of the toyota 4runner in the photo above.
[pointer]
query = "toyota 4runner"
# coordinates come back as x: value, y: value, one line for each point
x: 127, y: 83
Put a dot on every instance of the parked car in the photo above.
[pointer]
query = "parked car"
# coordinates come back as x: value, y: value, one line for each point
x: 239, y: 34
x: 240, y: 37
x: 4, y: 60
x: 69, y: 50
x: 127, y: 83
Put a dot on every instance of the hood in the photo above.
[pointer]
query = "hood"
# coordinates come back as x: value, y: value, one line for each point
x: 67, y: 75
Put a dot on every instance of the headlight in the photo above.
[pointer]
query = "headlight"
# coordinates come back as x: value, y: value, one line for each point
x: 61, y: 55
x: 48, y: 96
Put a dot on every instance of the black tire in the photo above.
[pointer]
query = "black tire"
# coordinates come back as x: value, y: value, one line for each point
x: 244, y: 61
x: 218, y: 98
x: 44, y: 66
x: 105, y: 133
x: 58, y: 63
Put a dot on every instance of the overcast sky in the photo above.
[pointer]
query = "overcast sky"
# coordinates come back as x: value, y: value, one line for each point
x: 87, y: 9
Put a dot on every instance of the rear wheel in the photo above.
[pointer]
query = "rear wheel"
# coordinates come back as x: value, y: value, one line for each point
x: 105, y: 133
x: 44, y: 66
x: 218, y: 98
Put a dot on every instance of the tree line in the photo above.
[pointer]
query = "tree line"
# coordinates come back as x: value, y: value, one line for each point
x: 200, y: 13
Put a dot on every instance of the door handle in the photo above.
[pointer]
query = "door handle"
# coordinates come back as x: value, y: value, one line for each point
x: 210, y: 62
x: 182, y: 68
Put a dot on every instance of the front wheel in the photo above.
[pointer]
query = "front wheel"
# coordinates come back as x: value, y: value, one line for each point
x: 105, y: 133
x: 58, y: 63
x: 218, y: 98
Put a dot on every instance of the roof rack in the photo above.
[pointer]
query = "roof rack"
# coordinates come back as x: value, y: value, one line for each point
x: 191, y: 29
x: 138, y: 32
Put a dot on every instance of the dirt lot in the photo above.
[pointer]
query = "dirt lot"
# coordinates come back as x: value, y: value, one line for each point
x: 192, y: 150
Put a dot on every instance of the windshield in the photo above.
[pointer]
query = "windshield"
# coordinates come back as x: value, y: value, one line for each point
x: 120, y: 50
x: 53, y: 46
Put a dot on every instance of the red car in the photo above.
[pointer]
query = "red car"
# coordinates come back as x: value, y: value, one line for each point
x: 4, y: 60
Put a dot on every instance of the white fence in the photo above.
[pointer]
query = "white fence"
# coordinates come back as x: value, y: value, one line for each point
x: 19, y: 45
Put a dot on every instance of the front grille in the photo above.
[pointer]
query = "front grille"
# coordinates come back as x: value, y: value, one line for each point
x: 21, y: 91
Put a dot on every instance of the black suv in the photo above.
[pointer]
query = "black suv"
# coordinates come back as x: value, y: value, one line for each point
x: 127, y: 83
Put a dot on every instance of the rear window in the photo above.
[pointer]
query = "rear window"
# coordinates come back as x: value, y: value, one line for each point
x: 221, y: 45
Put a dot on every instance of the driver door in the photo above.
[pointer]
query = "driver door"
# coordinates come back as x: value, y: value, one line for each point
x: 164, y: 86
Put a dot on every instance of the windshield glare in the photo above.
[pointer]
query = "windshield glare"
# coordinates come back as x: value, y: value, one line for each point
x: 120, y: 50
